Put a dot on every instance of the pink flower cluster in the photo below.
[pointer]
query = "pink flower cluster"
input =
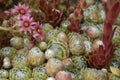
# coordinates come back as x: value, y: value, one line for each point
x: 27, y: 23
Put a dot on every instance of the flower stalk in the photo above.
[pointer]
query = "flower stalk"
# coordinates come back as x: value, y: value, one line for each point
x: 100, y: 58
x: 76, y: 17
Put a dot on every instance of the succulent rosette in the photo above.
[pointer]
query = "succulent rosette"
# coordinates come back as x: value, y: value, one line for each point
x: 39, y: 72
x: 77, y: 76
x: 50, y: 53
x: 90, y: 28
x: 115, y: 66
x: 42, y: 45
x: 93, y: 74
x: 62, y: 36
x: 17, y: 42
x: 68, y: 63
x: 27, y: 43
x: 99, y: 28
x: 89, y: 12
x: 63, y: 75
x: 60, y: 48
x: 8, y: 52
x: 7, y: 63
x: 113, y: 77
x: 4, y: 73
x: 76, y: 44
x: 64, y: 26
x: 47, y: 27
x: 88, y: 47
x: 79, y: 62
x: 35, y: 56
x: 19, y: 73
x: 93, y: 32
x: 20, y: 60
x: 53, y: 66
x: 51, y: 34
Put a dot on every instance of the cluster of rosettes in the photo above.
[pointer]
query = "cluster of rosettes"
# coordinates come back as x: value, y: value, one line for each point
x: 62, y: 50
x: 26, y: 22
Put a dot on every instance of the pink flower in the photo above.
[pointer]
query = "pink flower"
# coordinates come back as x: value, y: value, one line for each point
x: 26, y: 24
x: 38, y: 32
x: 21, y: 10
